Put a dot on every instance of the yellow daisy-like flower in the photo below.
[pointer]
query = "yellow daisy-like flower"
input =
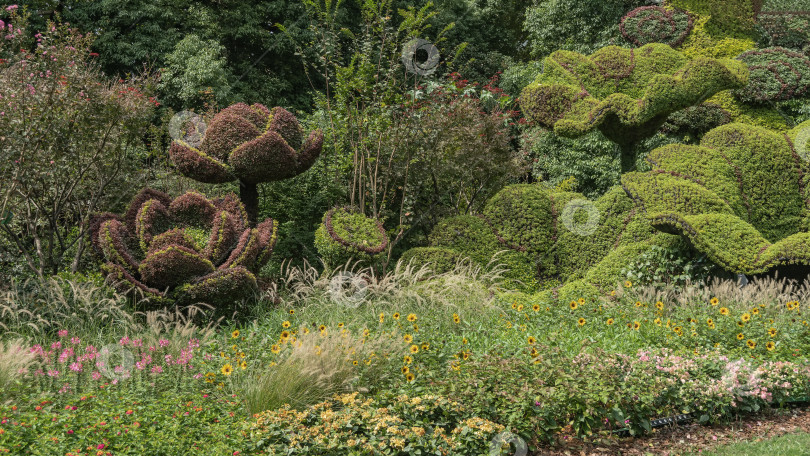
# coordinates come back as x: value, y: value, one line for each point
x: 292, y: 311
x: 740, y: 336
x: 581, y: 322
x: 746, y: 317
x: 740, y: 324
x: 409, y: 377
x: 456, y: 318
x: 322, y: 328
x: 285, y: 335
x: 770, y: 345
x: 407, y: 338
x: 628, y: 284
x: 275, y: 349
x: 709, y: 321
x: 407, y: 359
x: 638, y: 304
x: 464, y: 340
x: 613, y: 292
x: 514, y: 304
x: 354, y: 362
x: 366, y: 332
x: 227, y: 369
x: 414, y: 349
x: 340, y: 325
x: 405, y: 369
x: 534, y: 353
x: 243, y: 365
x: 724, y: 311
x: 286, y: 324
x: 235, y: 334
x: 581, y: 301
x: 531, y: 340
x: 222, y: 354
x: 573, y: 305
x: 755, y: 311
x: 520, y: 307
x: 396, y: 315
x: 466, y: 356
x: 609, y: 321
x: 636, y: 325
x: 714, y: 301
x: 416, y: 328
x: 536, y: 307
x: 382, y: 317
x: 751, y: 344
x: 772, y: 332
x: 659, y: 305
x: 657, y: 321
x: 425, y: 346
x: 711, y: 326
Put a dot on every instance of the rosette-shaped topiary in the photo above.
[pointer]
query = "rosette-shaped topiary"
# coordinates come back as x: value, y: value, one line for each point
x: 187, y: 249
x: 776, y: 74
x: 253, y: 144
x: 740, y: 197
x: 655, y: 24
x: 347, y: 235
x: 626, y: 93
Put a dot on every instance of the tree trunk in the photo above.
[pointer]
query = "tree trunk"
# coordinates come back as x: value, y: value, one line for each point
x: 249, y: 194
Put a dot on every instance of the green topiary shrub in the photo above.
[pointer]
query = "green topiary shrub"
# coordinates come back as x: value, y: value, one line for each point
x: 347, y: 235
x: 438, y: 259
x: 693, y: 122
x: 187, y: 249
x: 251, y: 144
x: 726, y: 15
x: 626, y: 93
x: 784, y: 29
x: 776, y: 74
x: 655, y: 24
x: 468, y: 235
x: 740, y: 197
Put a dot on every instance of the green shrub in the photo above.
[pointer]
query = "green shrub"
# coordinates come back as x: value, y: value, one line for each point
x: 776, y: 74
x: 656, y: 24
x: 625, y: 93
x: 438, y: 259
x: 693, y: 122
x: 346, y: 235
x: 784, y: 30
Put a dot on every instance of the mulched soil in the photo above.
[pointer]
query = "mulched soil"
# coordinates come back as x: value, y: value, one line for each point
x: 690, y: 437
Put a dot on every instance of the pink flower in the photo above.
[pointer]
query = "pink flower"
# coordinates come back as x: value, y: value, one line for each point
x: 56, y: 344
x: 100, y: 446
x: 63, y: 333
x: 76, y: 367
x: 96, y: 375
x: 157, y: 369
x: 70, y: 431
x: 53, y: 373
x: 11, y: 8
x: 73, y: 340
x: 128, y: 412
x: 124, y: 340
x: 163, y: 342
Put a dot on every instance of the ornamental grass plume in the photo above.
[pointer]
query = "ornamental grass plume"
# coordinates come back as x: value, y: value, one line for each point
x: 14, y: 361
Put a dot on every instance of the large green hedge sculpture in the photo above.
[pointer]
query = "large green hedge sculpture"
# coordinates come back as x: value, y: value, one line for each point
x: 741, y: 197
x: 626, y: 93
x: 189, y: 249
x: 253, y: 144
x: 346, y: 235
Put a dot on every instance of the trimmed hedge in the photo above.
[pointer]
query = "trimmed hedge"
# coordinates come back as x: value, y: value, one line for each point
x: 655, y: 24
x: 183, y: 249
x: 741, y: 197
x: 347, y: 235
x: 776, y: 74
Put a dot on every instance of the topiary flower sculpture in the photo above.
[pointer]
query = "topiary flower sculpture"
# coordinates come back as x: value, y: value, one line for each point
x: 741, y: 197
x: 656, y: 24
x: 190, y: 249
x: 776, y: 74
x: 347, y: 235
x: 626, y: 93
x: 253, y: 144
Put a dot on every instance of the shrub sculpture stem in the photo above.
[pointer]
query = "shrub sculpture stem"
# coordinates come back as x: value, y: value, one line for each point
x: 249, y: 195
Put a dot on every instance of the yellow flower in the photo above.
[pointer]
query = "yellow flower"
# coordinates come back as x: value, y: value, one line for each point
x: 724, y: 311
x: 755, y: 311
x: 574, y: 305
x: 466, y: 355
x: 613, y: 292
x: 659, y: 305
x: 770, y: 345
x: 382, y: 317
x: 396, y: 315
x: 638, y: 303
x: 235, y: 334
x: 464, y: 340
x: 709, y: 321
x: 292, y: 311
x: 520, y: 307
x: 286, y: 324
x: 657, y: 321
x: 340, y: 325
x: 407, y: 338
x: 609, y: 321
x: 275, y: 349
x: 416, y: 328
x: 740, y: 324
x: 409, y: 377
x: 322, y: 328
x: 740, y: 336
x: 532, y: 340
x: 227, y: 369
x: 581, y: 322
x: 636, y: 325
x: 405, y: 369
x: 407, y: 359
x: 714, y: 301
x: 412, y: 317
x: 243, y: 365
x: 414, y: 349
x: 366, y: 332
x: 581, y: 301
x: 354, y: 362
x: 772, y: 332
x: 536, y: 307
x: 751, y: 344
x: 425, y: 346
x: 746, y: 317
x: 456, y: 318
x: 285, y: 335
